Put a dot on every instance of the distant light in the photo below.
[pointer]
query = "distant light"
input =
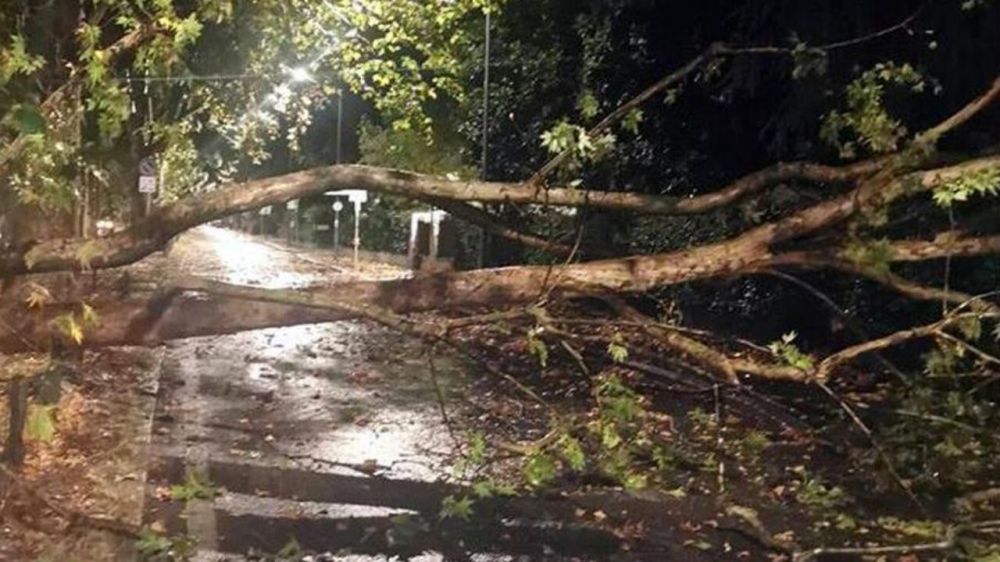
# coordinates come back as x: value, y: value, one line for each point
x: 300, y: 74
x: 338, y: 206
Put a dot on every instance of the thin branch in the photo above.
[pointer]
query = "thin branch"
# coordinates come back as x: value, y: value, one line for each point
x: 854, y: 326
x: 948, y: 542
x: 826, y: 367
x: 987, y: 357
x: 879, y: 449
x: 959, y: 118
x: 439, y: 395
x: 713, y: 51
x: 769, y: 50
x: 618, y: 114
x: 489, y: 223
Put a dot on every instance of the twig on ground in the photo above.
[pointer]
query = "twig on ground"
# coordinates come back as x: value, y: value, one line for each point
x: 948, y: 542
x: 439, y: 395
x: 876, y: 445
x: 719, y: 441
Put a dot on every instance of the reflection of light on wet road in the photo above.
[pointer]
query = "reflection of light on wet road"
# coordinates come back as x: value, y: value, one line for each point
x: 389, y: 436
x: 249, y: 262
x: 294, y: 397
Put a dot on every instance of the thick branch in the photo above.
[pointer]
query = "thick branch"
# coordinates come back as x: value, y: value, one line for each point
x: 141, y: 320
x: 166, y: 222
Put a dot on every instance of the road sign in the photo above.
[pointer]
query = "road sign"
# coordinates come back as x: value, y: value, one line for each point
x: 147, y: 175
x: 353, y: 195
x: 147, y: 166
x: 147, y: 184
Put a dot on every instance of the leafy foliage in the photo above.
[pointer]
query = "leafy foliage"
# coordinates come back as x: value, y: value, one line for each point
x: 808, y: 61
x: 871, y: 254
x: 41, y: 423
x: 616, y: 348
x: 537, y: 346
x: 979, y: 183
x: 195, y: 487
x: 582, y: 147
x: 866, y: 123
x: 457, y: 508
x: 15, y: 60
x: 790, y: 354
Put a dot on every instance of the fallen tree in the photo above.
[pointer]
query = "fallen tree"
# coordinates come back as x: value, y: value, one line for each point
x: 791, y: 241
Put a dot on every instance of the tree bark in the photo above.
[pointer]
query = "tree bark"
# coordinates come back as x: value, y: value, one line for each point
x: 194, y: 307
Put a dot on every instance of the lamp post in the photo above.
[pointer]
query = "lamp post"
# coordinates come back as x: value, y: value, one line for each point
x: 337, y: 207
x: 340, y: 117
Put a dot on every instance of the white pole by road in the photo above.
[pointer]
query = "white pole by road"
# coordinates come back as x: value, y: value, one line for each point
x: 337, y: 206
x: 357, y: 231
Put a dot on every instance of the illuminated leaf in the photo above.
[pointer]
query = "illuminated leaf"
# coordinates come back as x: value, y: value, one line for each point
x: 38, y: 296
x: 40, y: 424
x: 70, y: 328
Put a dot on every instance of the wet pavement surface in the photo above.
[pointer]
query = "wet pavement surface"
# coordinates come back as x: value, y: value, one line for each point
x: 327, y: 437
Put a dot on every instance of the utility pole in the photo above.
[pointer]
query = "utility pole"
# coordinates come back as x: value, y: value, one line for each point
x: 486, y: 122
x: 340, y: 116
x: 486, y: 95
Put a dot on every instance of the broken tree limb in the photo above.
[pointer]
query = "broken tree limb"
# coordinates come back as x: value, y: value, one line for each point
x: 166, y: 222
x: 826, y: 367
x: 166, y: 316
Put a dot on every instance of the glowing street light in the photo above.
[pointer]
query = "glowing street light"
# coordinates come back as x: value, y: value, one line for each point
x: 300, y: 74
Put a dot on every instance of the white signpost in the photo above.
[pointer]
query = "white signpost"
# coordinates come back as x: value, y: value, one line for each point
x: 337, y: 207
x: 147, y: 175
x: 147, y: 179
x: 358, y: 197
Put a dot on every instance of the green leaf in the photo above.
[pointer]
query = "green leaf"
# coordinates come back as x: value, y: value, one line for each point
x: 29, y: 119
x: 88, y: 315
x: 67, y: 324
x: 572, y: 452
x: 537, y: 347
x: 193, y: 488
x: 983, y: 183
x: 539, y: 469
x: 456, y: 508
x: 151, y: 543
x: 291, y: 551
x: 41, y: 424
x: 616, y: 348
x: 588, y: 105
x: 632, y: 120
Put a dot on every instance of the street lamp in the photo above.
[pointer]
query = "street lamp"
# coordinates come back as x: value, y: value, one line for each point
x: 337, y: 207
x: 300, y: 74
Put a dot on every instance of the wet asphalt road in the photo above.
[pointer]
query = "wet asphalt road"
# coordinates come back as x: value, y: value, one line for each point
x: 327, y: 437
